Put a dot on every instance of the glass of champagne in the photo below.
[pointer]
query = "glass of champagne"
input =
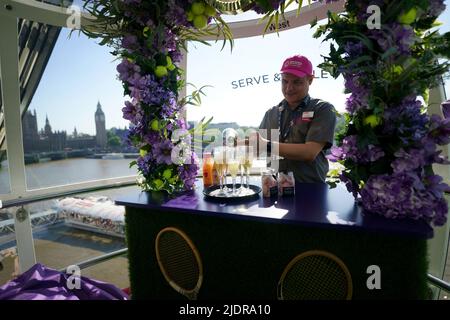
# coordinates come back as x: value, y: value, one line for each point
x: 240, y: 154
x: 226, y: 155
x: 233, y: 167
x: 219, y: 160
x: 248, y: 160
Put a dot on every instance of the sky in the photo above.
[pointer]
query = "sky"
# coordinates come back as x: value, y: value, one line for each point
x: 81, y: 73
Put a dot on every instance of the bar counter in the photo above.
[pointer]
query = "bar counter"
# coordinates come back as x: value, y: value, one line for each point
x: 245, y: 246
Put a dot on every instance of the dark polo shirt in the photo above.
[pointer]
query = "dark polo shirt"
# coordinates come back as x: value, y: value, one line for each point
x: 313, y: 120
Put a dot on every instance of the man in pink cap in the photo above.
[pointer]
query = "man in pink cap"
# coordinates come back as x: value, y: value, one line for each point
x: 306, y: 125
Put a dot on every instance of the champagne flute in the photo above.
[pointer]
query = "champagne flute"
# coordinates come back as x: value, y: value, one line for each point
x: 226, y: 157
x: 229, y: 140
x: 233, y: 167
x: 219, y: 159
x: 248, y: 160
x: 240, y: 154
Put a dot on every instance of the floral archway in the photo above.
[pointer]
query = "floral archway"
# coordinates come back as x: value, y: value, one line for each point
x: 383, y: 48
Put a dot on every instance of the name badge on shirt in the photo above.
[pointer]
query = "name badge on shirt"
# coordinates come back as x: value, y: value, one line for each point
x: 307, y: 115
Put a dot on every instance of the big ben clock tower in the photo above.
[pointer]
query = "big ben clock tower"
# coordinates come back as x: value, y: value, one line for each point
x: 100, y: 127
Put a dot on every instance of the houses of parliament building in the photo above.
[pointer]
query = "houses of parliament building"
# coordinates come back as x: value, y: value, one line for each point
x: 46, y: 140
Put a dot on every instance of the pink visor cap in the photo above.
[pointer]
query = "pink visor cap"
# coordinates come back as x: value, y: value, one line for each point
x: 297, y: 65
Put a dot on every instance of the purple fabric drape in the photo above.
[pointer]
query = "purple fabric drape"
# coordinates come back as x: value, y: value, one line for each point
x: 42, y: 283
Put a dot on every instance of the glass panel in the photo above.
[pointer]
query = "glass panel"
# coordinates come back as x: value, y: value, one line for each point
x: 9, y: 262
x: 4, y: 172
x: 445, y: 19
x: 74, y: 229
x: 447, y: 86
x: 246, y: 83
x: 73, y: 130
x: 5, y: 186
x: 61, y: 3
x: 250, y: 14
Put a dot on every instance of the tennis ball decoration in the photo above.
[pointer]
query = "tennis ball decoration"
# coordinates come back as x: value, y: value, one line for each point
x: 160, y: 71
x: 198, y: 8
x: 143, y: 152
x: 408, y: 17
x: 154, y: 125
x: 199, y: 14
x: 200, y: 21
x: 372, y: 120
x: 210, y: 11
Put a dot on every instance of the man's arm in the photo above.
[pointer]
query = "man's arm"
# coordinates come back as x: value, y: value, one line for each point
x: 306, y: 152
x: 320, y: 135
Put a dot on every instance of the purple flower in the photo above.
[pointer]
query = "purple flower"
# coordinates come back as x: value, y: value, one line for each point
x: 406, y: 121
x: 130, y: 42
x: 372, y: 154
x: 404, y: 37
x: 436, y: 185
x: 129, y: 138
x: 408, y: 161
x: 188, y: 172
x: 349, y: 150
x: 404, y: 145
x: 142, y: 17
x: 169, y: 107
x: 354, y: 103
x: 336, y: 154
x: 359, y: 93
x: 436, y: 7
x: 361, y: 9
x: 131, y: 112
x: 176, y: 14
x: 351, y: 187
x: 162, y: 152
x: 152, y: 137
x: 146, y: 164
x: 354, y: 49
x: 439, y: 130
x: 177, y: 56
x: 267, y: 6
x: 405, y: 195
x: 127, y: 70
x: 150, y: 91
x: 394, y: 35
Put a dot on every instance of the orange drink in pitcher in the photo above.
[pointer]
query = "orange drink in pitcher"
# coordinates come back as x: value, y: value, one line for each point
x: 208, y: 165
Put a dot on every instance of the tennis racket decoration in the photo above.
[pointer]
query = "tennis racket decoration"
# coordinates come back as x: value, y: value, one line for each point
x: 179, y: 261
x: 315, y: 275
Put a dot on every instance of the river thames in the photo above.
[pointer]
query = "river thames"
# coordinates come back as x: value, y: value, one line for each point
x: 61, y: 172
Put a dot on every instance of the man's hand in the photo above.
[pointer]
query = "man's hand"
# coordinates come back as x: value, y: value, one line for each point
x: 256, y: 140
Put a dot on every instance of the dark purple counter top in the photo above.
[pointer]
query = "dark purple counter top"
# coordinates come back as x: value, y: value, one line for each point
x: 313, y: 205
